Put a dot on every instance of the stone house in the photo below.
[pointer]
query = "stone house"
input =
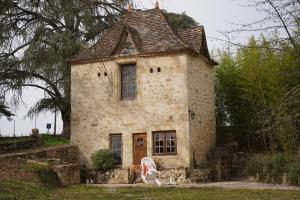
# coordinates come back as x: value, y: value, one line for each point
x: 145, y: 89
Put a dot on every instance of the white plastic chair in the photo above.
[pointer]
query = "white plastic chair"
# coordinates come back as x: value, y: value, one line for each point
x: 148, y: 171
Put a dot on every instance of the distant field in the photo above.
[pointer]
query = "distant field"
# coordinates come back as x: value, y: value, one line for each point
x: 21, y: 190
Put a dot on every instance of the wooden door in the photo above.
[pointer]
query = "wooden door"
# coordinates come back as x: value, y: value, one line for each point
x: 139, y: 147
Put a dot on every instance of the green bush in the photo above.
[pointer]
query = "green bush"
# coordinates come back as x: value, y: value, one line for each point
x: 103, y: 159
x: 294, y: 173
x: 256, y: 166
x: 44, y: 173
x: 272, y: 168
x: 268, y: 168
x: 276, y: 167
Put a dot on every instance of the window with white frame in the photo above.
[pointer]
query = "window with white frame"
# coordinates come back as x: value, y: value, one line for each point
x: 164, y: 143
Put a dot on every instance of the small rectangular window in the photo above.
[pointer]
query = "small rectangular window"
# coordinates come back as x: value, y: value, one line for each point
x: 164, y: 143
x: 128, y: 81
x: 116, y: 147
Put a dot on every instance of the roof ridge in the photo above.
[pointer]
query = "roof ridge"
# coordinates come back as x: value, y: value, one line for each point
x: 132, y: 36
x: 190, y: 27
x: 172, y: 29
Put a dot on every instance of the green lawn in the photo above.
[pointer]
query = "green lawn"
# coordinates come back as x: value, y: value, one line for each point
x: 13, y: 139
x: 47, y: 140
x: 51, y: 140
x: 21, y: 190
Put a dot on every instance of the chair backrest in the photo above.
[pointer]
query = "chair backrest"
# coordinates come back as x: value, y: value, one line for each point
x: 149, y: 163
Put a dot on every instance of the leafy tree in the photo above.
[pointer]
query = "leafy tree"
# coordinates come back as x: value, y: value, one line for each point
x: 258, y: 96
x: 38, y: 36
x: 180, y: 20
x: 4, y: 110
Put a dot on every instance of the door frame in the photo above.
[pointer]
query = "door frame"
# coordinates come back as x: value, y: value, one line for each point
x: 133, y: 134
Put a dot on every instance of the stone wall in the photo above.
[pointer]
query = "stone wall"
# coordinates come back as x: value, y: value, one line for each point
x: 122, y: 176
x: 201, y: 98
x: 175, y: 175
x: 116, y: 176
x: 18, y: 165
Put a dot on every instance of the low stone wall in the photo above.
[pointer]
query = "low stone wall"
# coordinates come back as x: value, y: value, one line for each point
x: 116, y: 176
x: 178, y: 176
x: 16, y: 165
x: 123, y: 176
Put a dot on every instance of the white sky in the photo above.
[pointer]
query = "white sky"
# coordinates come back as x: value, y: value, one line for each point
x: 215, y: 15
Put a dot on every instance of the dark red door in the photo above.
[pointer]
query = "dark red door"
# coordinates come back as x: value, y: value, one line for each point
x: 139, y: 147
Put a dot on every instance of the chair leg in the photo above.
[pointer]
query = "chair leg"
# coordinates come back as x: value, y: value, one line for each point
x: 144, y: 180
x: 157, y: 182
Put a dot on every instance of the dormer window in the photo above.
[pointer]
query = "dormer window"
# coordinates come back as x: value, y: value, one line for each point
x: 128, y: 49
x: 128, y: 81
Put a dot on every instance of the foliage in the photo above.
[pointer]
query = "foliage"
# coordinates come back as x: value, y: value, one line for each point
x: 36, y: 37
x: 27, y: 191
x: 272, y: 168
x: 44, y: 173
x: 4, y: 110
x: 180, y: 20
x: 103, y: 159
x: 258, y: 92
x: 294, y: 173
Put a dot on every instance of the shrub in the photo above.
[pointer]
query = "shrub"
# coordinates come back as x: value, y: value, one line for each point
x: 276, y: 167
x: 44, y: 173
x: 103, y: 159
x: 268, y: 168
x: 256, y: 166
x: 294, y: 173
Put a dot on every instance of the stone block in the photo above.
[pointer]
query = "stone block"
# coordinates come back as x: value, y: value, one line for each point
x: 68, y: 174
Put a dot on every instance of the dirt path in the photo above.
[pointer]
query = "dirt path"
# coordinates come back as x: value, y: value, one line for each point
x: 227, y: 185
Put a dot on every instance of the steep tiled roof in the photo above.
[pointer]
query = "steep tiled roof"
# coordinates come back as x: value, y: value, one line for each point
x: 149, y: 32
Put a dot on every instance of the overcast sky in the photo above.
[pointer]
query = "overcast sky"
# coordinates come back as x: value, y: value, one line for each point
x: 215, y: 15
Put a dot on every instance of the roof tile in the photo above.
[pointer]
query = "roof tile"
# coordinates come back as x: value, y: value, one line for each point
x: 150, y: 32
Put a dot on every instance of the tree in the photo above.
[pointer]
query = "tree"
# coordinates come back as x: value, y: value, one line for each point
x: 180, y: 20
x: 279, y: 18
x: 4, y: 111
x: 265, y: 76
x: 258, y: 98
x: 37, y: 36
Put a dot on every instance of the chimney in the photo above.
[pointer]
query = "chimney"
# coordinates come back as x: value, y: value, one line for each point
x: 156, y: 5
x: 129, y: 8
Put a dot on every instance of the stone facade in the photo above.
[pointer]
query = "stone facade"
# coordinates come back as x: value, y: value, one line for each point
x: 169, y: 78
x: 201, y: 103
x: 163, y: 102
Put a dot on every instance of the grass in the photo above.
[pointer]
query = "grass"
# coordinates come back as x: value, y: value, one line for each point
x: 21, y: 190
x: 5, y: 140
x: 47, y: 140
x: 51, y: 140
